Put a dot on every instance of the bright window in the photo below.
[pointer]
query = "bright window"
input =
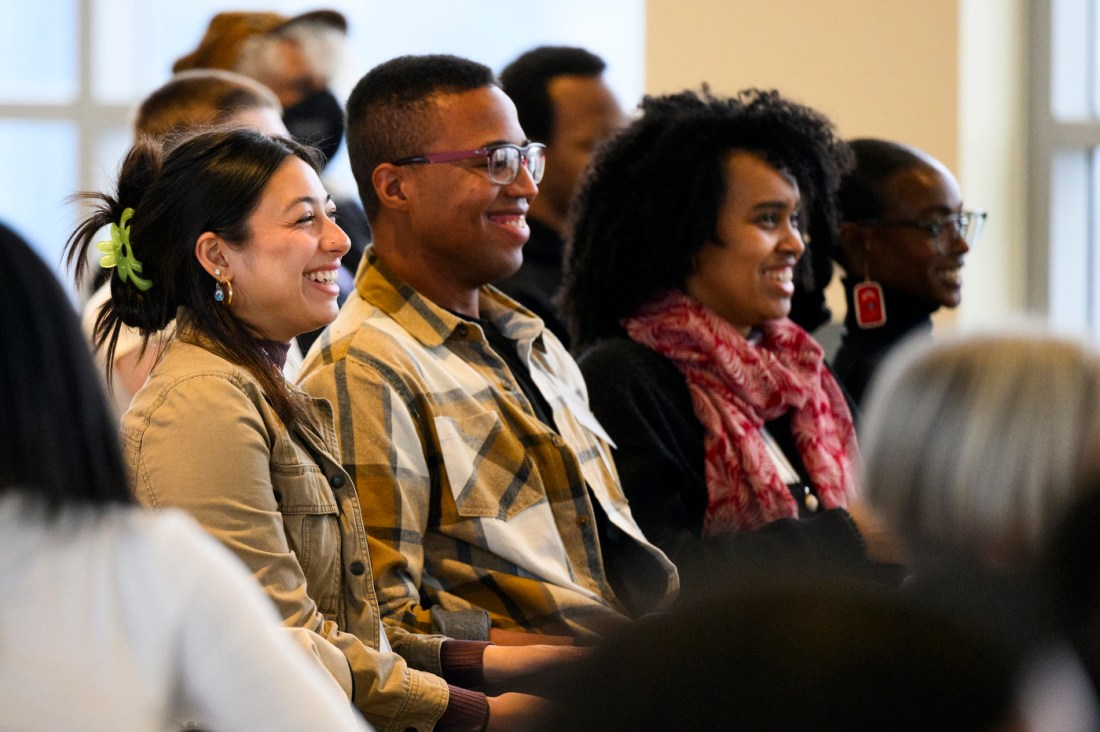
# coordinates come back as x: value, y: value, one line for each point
x: 72, y: 71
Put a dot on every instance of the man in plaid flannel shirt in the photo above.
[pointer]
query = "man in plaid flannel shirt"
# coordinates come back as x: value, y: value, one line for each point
x: 490, y: 498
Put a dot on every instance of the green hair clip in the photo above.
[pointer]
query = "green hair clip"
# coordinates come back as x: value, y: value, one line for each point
x: 118, y: 253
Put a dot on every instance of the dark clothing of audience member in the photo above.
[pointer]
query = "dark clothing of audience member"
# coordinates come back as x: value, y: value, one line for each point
x: 536, y: 283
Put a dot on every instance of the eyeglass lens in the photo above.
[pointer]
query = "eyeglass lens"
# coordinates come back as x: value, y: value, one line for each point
x: 967, y: 225
x: 504, y: 163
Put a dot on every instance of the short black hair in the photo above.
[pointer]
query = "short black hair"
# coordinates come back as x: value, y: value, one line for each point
x: 388, y: 112
x: 653, y: 194
x: 876, y: 161
x: 60, y: 434
x: 527, y: 81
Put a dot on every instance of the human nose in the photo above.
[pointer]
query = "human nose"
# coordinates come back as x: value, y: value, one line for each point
x: 524, y: 185
x: 335, y: 240
x: 952, y: 240
x: 792, y: 241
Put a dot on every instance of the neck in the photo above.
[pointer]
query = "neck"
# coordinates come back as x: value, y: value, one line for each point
x: 428, y: 277
x: 903, y: 313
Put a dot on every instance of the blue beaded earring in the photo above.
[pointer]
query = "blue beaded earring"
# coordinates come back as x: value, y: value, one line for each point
x: 219, y: 293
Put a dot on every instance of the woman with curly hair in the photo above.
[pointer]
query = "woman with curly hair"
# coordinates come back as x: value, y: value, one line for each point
x: 732, y: 434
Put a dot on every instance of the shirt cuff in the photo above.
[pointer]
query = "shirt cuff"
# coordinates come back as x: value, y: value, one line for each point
x: 467, y: 711
x: 462, y: 662
x: 469, y: 624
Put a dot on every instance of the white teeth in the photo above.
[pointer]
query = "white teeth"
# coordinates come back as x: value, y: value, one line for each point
x: 951, y: 276
x: 327, y: 276
x: 517, y: 222
x: 781, y: 275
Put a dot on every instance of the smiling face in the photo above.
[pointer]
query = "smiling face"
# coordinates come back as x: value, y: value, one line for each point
x: 464, y: 230
x: 284, y: 278
x: 909, y: 259
x: 745, y: 276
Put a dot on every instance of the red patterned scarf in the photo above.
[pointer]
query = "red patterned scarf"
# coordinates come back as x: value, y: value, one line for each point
x: 735, y: 388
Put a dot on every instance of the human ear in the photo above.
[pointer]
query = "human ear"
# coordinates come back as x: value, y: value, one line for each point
x: 856, y: 243
x: 391, y: 184
x: 210, y: 251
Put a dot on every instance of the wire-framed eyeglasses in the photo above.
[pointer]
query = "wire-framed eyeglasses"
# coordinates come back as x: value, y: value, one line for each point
x: 503, y: 160
x: 967, y: 225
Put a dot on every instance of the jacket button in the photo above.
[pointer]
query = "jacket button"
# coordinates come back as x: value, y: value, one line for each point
x: 557, y: 440
x: 582, y: 521
x: 357, y: 568
x: 461, y: 330
x: 336, y: 480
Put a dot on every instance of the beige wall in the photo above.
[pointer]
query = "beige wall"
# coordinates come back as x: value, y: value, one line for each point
x: 944, y: 75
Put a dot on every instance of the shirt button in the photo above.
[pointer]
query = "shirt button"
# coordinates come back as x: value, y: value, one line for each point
x: 336, y: 480
x: 508, y: 386
x: 557, y: 440
x: 357, y: 568
x: 582, y: 521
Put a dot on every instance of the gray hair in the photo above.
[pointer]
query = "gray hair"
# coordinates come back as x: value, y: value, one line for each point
x: 978, y: 444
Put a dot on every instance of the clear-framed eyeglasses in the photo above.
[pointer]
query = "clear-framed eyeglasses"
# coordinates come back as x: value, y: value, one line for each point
x: 503, y: 161
x: 967, y: 225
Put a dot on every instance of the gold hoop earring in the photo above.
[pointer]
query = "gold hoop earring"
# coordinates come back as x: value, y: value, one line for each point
x: 223, y: 296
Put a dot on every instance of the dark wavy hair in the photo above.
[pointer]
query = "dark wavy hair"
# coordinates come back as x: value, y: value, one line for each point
x: 653, y: 194
x: 389, y: 112
x: 527, y: 80
x: 180, y: 188
x: 58, y: 433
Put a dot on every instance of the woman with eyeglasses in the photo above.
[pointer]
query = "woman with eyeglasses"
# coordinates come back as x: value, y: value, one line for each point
x: 232, y: 233
x: 733, y: 439
x: 904, y: 238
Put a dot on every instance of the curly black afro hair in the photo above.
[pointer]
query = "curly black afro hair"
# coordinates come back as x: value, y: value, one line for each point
x: 652, y: 196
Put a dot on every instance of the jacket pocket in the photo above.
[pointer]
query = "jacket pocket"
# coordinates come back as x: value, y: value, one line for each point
x: 311, y: 521
x: 487, y: 467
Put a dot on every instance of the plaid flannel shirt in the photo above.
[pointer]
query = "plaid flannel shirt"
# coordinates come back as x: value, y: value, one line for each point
x: 477, y: 513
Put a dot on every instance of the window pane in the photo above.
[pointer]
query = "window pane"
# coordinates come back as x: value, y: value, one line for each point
x: 38, y: 52
x: 39, y: 172
x: 1069, y: 238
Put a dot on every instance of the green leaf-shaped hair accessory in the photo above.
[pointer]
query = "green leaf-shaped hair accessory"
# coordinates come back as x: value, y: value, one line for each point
x: 118, y: 253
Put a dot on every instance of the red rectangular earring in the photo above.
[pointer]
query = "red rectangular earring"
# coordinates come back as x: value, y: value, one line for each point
x: 870, y: 304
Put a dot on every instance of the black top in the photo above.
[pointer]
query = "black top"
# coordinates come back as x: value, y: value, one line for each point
x: 538, y: 280
x: 861, y: 351
x: 643, y: 402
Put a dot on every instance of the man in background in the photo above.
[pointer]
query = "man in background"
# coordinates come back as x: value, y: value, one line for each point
x: 563, y: 101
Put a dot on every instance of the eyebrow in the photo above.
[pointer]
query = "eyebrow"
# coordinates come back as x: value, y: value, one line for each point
x: 777, y: 204
x: 308, y: 200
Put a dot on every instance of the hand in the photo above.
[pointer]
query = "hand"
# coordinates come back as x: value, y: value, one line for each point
x: 882, y: 544
x: 503, y: 637
x: 515, y: 711
x: 506, y: 663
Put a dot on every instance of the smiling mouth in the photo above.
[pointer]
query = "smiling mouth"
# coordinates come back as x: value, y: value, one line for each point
x: 951, y: 276
x: 783, y: 276
x: 516, y: 221
x: 325, y: 276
